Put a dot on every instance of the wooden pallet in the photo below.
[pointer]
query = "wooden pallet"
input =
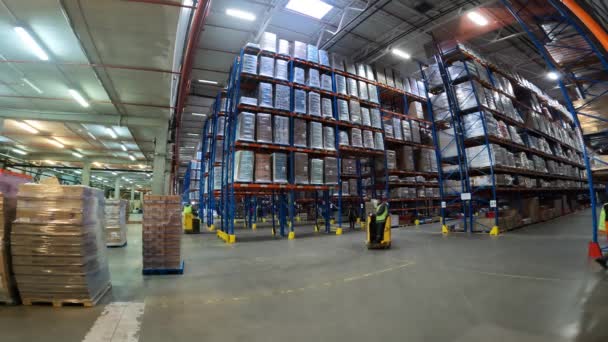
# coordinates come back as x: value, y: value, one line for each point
x: 57, y: 303
x: 116, y: 245
x: 164, y: 271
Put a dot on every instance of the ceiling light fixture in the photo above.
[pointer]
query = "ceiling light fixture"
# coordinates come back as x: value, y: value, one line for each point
x: 193, y: 134
x: 114, y: 173
x: 98, y: 164
x: 27, y: 38
x: 92, y: 136
x: 56, y: 143
x: 312, y: 8
x: 31, y: 85
x: 76, y: 95
x: 477, y: 18
x: 111, y: 132
x: 552, y: 75
x: 27, y: 127
x: 131, y: 157
x: 400, y: 53
x: 77, y: 171
x: 240, y: 14
x: 21, y: 152
x: 207, y: 82
x: 199, y: 114
x: 77, y: 155
x: 124, y: 148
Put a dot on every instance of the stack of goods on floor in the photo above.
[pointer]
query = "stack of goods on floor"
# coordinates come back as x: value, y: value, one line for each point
x: 57, y: 244
x: 162, y: 230
x: 116, y: 222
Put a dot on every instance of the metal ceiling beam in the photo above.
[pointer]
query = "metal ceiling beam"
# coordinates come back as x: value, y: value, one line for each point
x: 88, y: 118
x: 91, y: 65
x: 102, y: 158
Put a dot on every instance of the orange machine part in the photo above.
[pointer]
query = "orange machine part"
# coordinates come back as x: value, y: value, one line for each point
x: 595, y: 28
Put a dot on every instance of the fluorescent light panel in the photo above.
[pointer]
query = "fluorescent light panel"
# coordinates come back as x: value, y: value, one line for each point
x: 199, y: 114
x: 92, y: 136
x: 111, y: 132
x: 312, y: 8
x: 131, y: 157
x: 77, y: 155
x: 193, y: 134
x: 76, y: 95
x: 56, y: 143
x: 31, y: 85
x: 240, y: 14
x: 552, y: 75
x: 207, y: 82
x: 27, y: 127
x: 477, y: 18
x: 21, y: 152
x: 124, y: 148
x: 27, y: 38
x: 401, y: 53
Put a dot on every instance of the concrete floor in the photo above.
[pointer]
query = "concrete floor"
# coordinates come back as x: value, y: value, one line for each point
x: 533, y: 284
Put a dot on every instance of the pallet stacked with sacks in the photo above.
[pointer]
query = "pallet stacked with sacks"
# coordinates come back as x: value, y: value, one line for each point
x: 517, y: 147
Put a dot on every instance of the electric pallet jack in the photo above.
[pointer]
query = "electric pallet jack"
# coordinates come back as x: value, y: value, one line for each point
x: 378, y: 234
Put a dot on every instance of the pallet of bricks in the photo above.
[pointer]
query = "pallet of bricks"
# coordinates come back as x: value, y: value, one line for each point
x: 116, y: 222
x: 57, y: 245
x: 162, y: 231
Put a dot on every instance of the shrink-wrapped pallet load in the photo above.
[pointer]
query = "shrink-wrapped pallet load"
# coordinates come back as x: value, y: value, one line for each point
x: 243, y: 169
x: 331, y: 170
x: 356, y: 140
x: 299, y: 50
x: 279, y: 167
x: 300, y: 133
x: 326, y: 82
x: 281, y: 69
x: 355, y: 111
x: 284, y: 47
x: 282, y: 98
x: 265, y: 95
x: 327, y: 108
x: 363, y: 93
x: 313, y: 78
x: 365, y: 117
x: 300, y: 101
x: 268, y: 42
x: 341, y: 87
x: 263, y: 132
x: 281, y: 130
x: 343, y: 114
x: 57, y: 244
x: 352, y: 87
x: 262, y: 168
x: 299, y: 75
x: 314, y: 103
x: 316, y: 135
x: 162, y: 231
x: 301, y: 168
x: 266, y: 66
x: 368, y: 139
x: 312, y: 53
x: 323, y: 58
x: 250, y: 64
x: 116, y: 222
x: 316, y: 171
x: 245, y: 129
x: 329, y: 138
x: 376, y: 118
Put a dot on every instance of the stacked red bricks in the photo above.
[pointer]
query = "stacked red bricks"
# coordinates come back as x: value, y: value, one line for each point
x: 162, y: 231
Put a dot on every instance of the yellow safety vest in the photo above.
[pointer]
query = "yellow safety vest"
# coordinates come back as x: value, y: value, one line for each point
x: 382, y: 213
x: 602, y: 223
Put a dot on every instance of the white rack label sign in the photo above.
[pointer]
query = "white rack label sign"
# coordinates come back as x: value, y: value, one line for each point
x: 443, y: 204
x: 492, y: 203
x: 465, y: 196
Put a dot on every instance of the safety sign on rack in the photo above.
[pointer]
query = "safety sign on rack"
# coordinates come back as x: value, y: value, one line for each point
x: 492, y: 203
x: 444, y: 204
x: 465, y: 196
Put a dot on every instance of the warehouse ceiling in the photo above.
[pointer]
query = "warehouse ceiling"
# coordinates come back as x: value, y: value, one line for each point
x: 118, y: 55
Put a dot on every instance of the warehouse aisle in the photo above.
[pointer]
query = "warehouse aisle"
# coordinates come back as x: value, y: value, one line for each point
x: 533, y: 284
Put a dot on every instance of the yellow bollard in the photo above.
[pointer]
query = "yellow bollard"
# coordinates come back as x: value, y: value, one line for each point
x: 291, y: 236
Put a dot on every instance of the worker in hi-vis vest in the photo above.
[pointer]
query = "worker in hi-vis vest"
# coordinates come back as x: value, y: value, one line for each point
x: 601, y: 226
x: 381, y: 215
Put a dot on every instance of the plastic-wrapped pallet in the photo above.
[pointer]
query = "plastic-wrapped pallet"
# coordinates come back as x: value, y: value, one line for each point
x: 415, y: 110
x: 265, y: 95
x: 426, y: 160
x: 352, y: 87
x: 356, y: 139
x: 481, y: 155
x: 268, y: 42
x: 301, y: 168
x: 447, y: 142
x: 312, y: 54
x: 116, y: 222
x: 245, y: 128
x: 323, y: 58
x: 473, y: 125
x: 369, y: 72
x: 388, y: 130
x: 281, y: 130
x: 405, y: 158
x: 391, y: 159
x: 352, y: 187
x: 316, y: 171
x: 397, y: 131
x: 284, y: 47
x: 376, y: 118
x: 327, y: 108
x: 326, y: 82
x: 390, y: 81
x: 406, y: 130
x: 363, y: 94
x: 415, y: 125
x: 365, y: 117
x: 398, y: 79
x: 282, y: 99
x: 515, y: 136
x: 266, y: 66
x: 250, y: 64
x: 341, y: 87
x: 345, y: 189
x: 337, y: 62
x: 281, y: 70
x: 299, y: 75
x: 350, y: 66
x: 252, y: 101
x: 502, y: 130
x: 279, y: 167
x: 57, y: 244
x: 349, y: 166
x: 539, y: 164
x: 313, y: 78
x: 368, y: 139
x: 316, y: 135
x: 343, y: 110
x: 300, y: 50
x: 355, y: 111
x: 373, y: 93
x: 300, y: 128
x: 217, y: 178
x: 329, y: 138
x: 243, y: 169
x: 330, y: 171
x: 263, y: 128
x: 314, y: 103
x: 378, y: 141
x: 300, y: 101
x: 219, y: 152
x: 262, y: 168
x: 361, y: 70
x: 441, y: 107
x: 343, y: 138
x: 465, y: 95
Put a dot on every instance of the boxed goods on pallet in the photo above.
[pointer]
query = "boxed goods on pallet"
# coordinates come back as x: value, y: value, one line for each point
x: 441, y: 107
x: 365, y: 117
x: 252, y: 101
x: 390, y: 81
x: 356, y: 139
x: 331, y: 170
x: 300, y: 135
x: 426, y: 160
x: 301, y: 168
x: 266, y: 66
x: 343, y: 110
x: 312, y: 54
x: 343, y: 139
x: 265, y: 95
x: 341, y: 85
x: 299, y: 75
x: 323, y: 58
x: 57, y: 244
x: 398, y: 79
x: 268, y: 42
x: 313, y: 79
x: 250, y: 64
x: 279, y: 167
x: 415, y: 128
x: 355, y: 111
x: 389, y: 132
x: 352, y: 87
x: 337, y: 61
x: 515, y: 136
x: 368, y: 139
x: 284, y: 47
x: 352, y: 187
x: 281, y: 70
x: 391, y: 159
x: 479, y: 156
x: 282, y: 98
x: 405, y: 158
x: 162, y: 228
x: 116, y: 222
x: 378, y: 141
x: 281, y: 130
x: 397, y: 128
x: 316, y: 135
x: 300, y: 101
x: 526, y: 182
x: 329, y: 138
x: 380, y: 76
x: 376, y: 118
x: 369, y: 72
x: 263, y: 132
x: 363, y: 93
x: 327, y: 110
x: 243, y: 169
x: 262, y: 168
x: 486, y: 180
x: 300, y: 50
x: 361, y: 70
x: 326, y: 82
x: 217, y: 178
x: 539, y: 164
x: 465, y: 95
x: 349, y: 166
x: 507, y: 220
x: 245, y: 128
x: 314, y: 104
x: 316, y: 171
x: 473, y: 125
x: 219, y: 153
x: 373, y: 93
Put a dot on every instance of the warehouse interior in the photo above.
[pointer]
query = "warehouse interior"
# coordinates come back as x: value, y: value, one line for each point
x: 336, y: 170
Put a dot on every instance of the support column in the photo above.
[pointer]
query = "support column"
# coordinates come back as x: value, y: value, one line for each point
x: 160, y: 161
x: 117, y: 188
x: 86, y: 173
x: 132, y: 194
